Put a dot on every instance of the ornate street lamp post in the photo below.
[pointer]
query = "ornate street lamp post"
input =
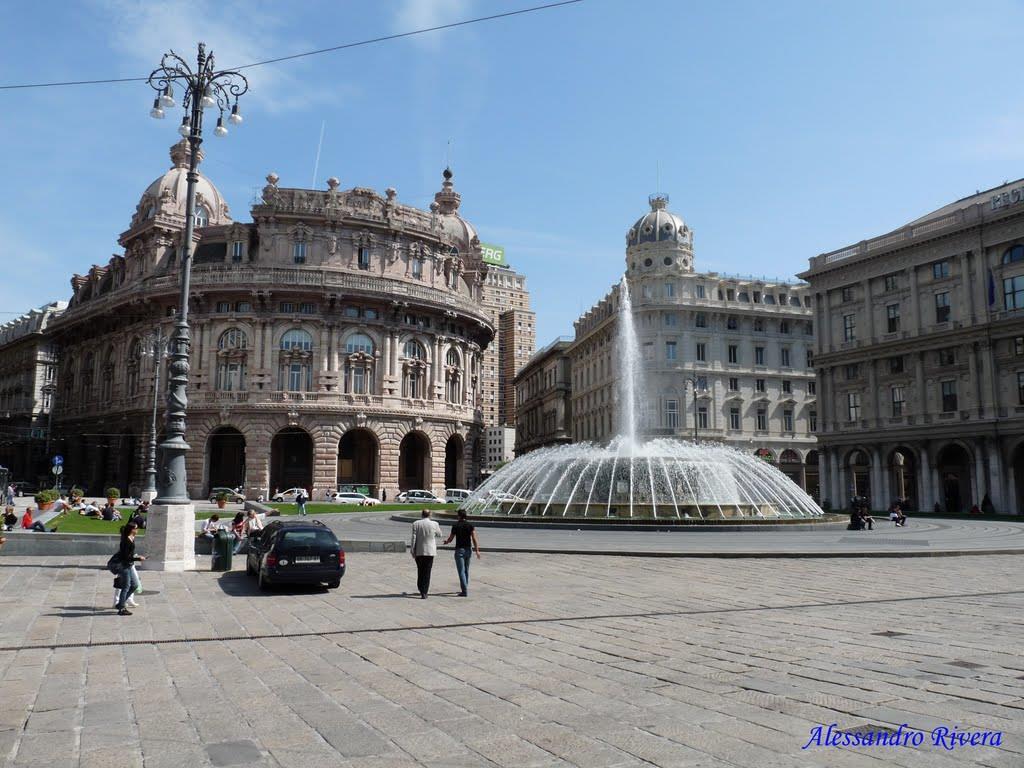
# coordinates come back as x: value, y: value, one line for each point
x: 203, y: 87
x: 692, y: 378
x: 155, y: 347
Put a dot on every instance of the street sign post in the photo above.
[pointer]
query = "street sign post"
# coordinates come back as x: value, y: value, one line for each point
x: 58, y: 461
x: 57, y: 469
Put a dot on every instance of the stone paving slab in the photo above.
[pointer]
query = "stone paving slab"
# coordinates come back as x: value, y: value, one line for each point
x: 553, y: 660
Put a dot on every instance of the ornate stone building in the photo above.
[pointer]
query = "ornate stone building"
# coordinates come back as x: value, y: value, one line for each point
x: 920, y: 359
x: 544, y: 394
x: 336, y: 339
x: 28, y: 375
x: 725, y: 358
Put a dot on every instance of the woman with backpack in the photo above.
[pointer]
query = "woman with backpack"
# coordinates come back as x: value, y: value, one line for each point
x: 127, y: 558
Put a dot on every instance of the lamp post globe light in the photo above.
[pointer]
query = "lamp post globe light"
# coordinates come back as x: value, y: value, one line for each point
x: 202, y: 87
x: 170, y: 530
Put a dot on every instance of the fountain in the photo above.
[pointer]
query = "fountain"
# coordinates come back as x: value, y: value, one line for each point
x: 657, y: 479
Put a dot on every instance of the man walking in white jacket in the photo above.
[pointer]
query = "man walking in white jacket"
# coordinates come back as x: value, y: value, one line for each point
x: 423, y: 547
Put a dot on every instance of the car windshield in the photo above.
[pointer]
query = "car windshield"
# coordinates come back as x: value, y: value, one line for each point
x: 309, y: 539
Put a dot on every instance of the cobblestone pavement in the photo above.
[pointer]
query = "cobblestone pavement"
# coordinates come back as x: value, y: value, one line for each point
x: 552, y: 660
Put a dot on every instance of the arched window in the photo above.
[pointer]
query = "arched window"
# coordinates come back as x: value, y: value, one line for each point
x: 296, y: 359
x: 414, y: 370
x: 1013, y: 253
x: 88, y: 369
x: 233, y: 338
x: 414, y: 350
x: 132, y: 366
x: 359, y: 342
x: 452, y: 358
x: 453, y: 377
x: 201, y: 216
x: 107, y: 377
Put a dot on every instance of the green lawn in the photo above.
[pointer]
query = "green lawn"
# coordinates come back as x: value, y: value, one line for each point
x: 76, y: 523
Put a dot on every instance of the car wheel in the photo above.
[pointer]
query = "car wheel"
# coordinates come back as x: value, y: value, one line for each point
x: 278, y: 499
x: 334, y: 584
x: 248, y: 566
x: 261, y: 581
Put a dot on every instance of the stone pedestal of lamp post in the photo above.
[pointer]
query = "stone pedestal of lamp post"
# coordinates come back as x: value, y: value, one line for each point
x: 170, y: 540
x: 148, y: 496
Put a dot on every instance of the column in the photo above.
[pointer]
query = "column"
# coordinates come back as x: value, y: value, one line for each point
x: 833, y: 481
x: 982, y: 307
x: 868, y: 311
x: 967, y: 301
x: 325, y: 348
x: 986, y: 376
x: 914, y: 326
x: 922, y: 394
x: 977, y: 385
x: 996, y: 476
x: 980, y: 482
x: 825, y: 339
x: 876, y: 396
x: 925, y: 497
x: 878, y: 493
x: 388, y: 342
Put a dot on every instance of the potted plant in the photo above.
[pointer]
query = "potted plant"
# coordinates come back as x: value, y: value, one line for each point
x: 113, y: 494
x: 45, y: 499
x: 76, y: 495
x: 222, y: 500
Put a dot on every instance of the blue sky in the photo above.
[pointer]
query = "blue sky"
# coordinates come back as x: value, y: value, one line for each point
x: 780, y: 130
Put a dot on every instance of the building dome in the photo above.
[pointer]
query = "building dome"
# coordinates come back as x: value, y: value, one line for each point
x: 658, y: 225
x: 446, y: 205
x: 167, y: 195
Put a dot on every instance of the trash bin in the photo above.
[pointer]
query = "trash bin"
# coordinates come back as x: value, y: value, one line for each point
x: 223, y: 544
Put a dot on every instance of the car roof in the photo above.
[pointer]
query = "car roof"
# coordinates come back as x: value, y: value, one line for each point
x: 298, y: 525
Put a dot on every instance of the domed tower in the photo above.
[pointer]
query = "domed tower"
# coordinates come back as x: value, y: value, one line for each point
x: 464, y: 260
x: 659, y: 242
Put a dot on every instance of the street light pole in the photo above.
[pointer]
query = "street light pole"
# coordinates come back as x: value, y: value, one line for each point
x: 157, y: 350
x: 204, y: 87
x: 692, y: 378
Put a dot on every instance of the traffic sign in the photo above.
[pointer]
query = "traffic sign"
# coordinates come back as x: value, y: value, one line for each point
x: 58, y: 460
x: 57, y: 469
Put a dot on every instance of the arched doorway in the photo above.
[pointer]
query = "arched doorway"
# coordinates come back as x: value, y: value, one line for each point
x: 225, y: 455
x: 811, y: 476
x: 903, y: 477
x: 291, y: 459
x: 860, y: 474
x: 414, y: 462
x: 454, y: 466
x: 791, y: 466
x: 954, y: 468
x: 357, y: 462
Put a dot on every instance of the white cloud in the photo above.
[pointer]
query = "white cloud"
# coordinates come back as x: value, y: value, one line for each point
x: 424, y: 14
x: 144, y: 31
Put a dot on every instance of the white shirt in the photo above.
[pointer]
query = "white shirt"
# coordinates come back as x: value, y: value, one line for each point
x: 423, y: 540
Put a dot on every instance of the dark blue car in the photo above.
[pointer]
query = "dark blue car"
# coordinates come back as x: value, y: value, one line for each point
x: 295, y: 552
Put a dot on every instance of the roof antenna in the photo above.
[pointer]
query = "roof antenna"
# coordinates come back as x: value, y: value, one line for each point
x: 316, y: 164
x: 448, y: 155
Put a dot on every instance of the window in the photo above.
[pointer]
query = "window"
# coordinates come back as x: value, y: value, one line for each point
x: 702, y: 352
x: 307, y: 308
x: 891, y: 282
x: 223, y: 306
x: 648, y: 350
x: 231, y: 376
x: 734, y: 384
x: 940, y: 269
x: 731, y: 323
x: 853, y: 406
x: 371, y: 314
x: 734, y: 353
x: 948, y: 396
x: 743, y: 296
x: 809, y: 327
x: 1013, y: 253
x: 1020, y: 387
x: 201, y: 217
x: 364, y: 258
x: 784, y: 355
x: 759, y: 326
x: 849, y: 327
x: 784, y: 326
x: 702, y: 417
x: 847, y: 293
x: 812, y: 388
x: 759, y: 385
x: 299, y: 253
x: 243, y: 306
x: 700, y: 291
x: 734, y: 418
x: 414, y: 350
x: 701, y: 320
x: 852, y: 371
x: 787, y: 420
x: 762, y: 419
x: 892, y: 314
x: 730, y: 294
x: 810, y: 358
x: 672, y: 414
x: 1013, y: 292
x: 942, y: 306
x: 417, y: 268
x: 670, y: 350
x: 1018, y: 346
x: 787, y: 387
x: 232, y: 338
x: 812, y: 421
x: 297, y: 339
x: 896, y: 364
x: 287, y: 307
x: 350, y: 311
x: 645, y: 291
x: 898, y: 399
x: 947, y: 356
x: 757, y: 297
x: 237, y: 251
x: 670, y: 319
x: 669, y: 290
x: 758, y: 355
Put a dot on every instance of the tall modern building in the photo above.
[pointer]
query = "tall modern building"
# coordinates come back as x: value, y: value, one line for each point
x: 506, y: 299
x: 337, y: 339
x: 920, y: 358
x: 727, y: 359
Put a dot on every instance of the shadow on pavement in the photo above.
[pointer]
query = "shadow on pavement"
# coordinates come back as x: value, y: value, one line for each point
x: 241, y: 584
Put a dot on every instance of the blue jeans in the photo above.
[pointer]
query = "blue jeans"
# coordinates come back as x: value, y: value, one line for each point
x: 131, y: 584
x: 302, y: 508
x: 462, y: 557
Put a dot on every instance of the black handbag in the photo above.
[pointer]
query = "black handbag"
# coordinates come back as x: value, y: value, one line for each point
x: 114, y: 564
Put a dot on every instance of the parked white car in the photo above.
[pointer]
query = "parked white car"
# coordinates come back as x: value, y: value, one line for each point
x: 456, y: 495
x: 350, y: 497
x: 290, y: 494
x: 417, y: 497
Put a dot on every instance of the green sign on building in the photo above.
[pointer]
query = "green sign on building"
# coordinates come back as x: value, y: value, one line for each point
x: 493, y: 254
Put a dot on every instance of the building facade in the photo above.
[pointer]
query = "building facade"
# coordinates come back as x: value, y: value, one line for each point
x: 724, y: 358
x: 28, y: 377
x: 336, y: 340
x: 544, y: 395
x: 506, y: 299
x: 501, y: 443
x: 920, y: 359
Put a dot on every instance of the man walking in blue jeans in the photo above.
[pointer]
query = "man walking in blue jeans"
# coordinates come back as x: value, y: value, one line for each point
x: 465, y: 535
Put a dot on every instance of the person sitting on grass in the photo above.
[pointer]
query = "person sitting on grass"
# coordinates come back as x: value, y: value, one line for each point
x: 32, y: 525
x: 110, y: 512
x: 10, y: 519
x: 87, y: 509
